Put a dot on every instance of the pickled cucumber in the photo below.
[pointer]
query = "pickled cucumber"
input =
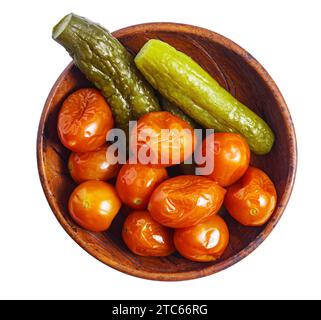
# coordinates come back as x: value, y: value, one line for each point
x: 109, y: 66
x: 181, y: 80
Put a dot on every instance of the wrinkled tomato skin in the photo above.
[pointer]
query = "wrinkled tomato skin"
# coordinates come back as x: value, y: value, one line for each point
x: 203, y: 242
x: 93, y: 205
x: 184, y: 201
x: 252, y: 200
x: 231, y: 155
x: 84, y: 120
x: 92, y: 165
x: 136, y: 182
x: 162, y: 150
x: 146, y: 237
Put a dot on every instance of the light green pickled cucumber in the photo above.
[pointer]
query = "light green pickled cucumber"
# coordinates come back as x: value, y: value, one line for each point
x: 182, y: 81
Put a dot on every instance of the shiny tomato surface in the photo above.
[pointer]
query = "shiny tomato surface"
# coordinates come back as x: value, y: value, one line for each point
x: 203, y: 242
x: 136, y: 182
x: 231, y: 155
x: 162, y: 139
x: 84, y: 120
x: 146, y: 237
x: 94, y: 205
x: 184, y: 201
x: 92, y: 165
x: 252, y: 200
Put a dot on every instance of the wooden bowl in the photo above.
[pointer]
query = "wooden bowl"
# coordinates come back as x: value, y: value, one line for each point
x: 239, y: 73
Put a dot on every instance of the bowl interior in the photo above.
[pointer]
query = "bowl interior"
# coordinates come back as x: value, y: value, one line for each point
x: 235, y: 70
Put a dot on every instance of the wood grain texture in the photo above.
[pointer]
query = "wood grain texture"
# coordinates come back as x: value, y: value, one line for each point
x: 237, y: 71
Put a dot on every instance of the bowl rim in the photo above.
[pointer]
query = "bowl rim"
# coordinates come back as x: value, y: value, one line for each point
x: 211, y: 269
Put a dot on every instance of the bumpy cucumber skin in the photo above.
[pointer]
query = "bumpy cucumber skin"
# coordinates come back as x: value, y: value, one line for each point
x: 108, y: 65
x: 181, y: 80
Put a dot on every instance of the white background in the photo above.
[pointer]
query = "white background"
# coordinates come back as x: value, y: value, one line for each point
x: 39, y: 260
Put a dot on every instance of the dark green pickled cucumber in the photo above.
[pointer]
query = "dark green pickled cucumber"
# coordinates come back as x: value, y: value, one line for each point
x: 109, y: 66
x: 181, y: 80
x: 176, y: 111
